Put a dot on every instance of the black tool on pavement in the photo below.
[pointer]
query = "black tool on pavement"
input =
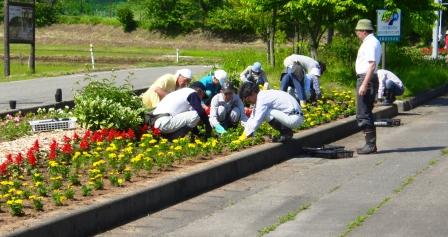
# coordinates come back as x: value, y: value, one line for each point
x: 328, y: 151
x: 387, y: 122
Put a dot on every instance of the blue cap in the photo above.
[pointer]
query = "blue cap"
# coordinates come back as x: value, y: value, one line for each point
x: 256, y: 67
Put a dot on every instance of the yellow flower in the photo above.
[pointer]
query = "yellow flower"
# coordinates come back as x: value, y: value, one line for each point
x: 152, y: 141
x: 163, y: 141
x: 170, y: 153
x: 197, y: 141
x: 160, y: 154
x: 53, y: 163
x: 98, y: 163
x: 32, y: 197
x: 175, y: 141
x: 76, y: 155
x: 38, y: 184
x: 177, y: 148
x: 137, y: 158
x: 191, y: 145
x: 11, y: 190
x: 128, y: 150
x: 146, y: 135
x: 99, y: 143
x: 112, y: 156
x: 19, y: 192
x: 120, y: 181
x: 120, y: 156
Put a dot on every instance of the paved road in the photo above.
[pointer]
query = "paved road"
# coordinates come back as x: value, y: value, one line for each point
x: 403, y: 186
x: 35, y: 92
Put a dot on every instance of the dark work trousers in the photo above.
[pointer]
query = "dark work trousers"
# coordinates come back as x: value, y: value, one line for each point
x: 364, y: 104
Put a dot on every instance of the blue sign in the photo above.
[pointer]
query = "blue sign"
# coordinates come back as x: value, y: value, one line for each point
x: 389, y: 28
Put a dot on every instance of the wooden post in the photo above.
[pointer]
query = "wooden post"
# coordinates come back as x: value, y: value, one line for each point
x: 6, y: 38
x: 33, y: 44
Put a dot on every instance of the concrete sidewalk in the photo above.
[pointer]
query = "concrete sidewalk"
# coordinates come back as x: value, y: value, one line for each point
x: 40, y: 92
x: 400, y: 191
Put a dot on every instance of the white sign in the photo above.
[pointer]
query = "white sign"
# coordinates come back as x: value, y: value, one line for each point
x: 389, y: 28
x: 21, y: 23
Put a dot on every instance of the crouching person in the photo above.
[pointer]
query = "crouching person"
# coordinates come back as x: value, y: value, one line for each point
x: 279, y: 108
x: 226, y: 109
x: 180, y: 112
x: 389, y: 86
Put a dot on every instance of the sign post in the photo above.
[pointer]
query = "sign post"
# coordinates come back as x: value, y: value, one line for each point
x: 19, y: 28
x: 388, y: 30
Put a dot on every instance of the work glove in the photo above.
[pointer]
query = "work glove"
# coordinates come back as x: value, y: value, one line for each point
x: 242, y: 137
x: 302, y: 103
x: 208, y: 93
x: 220, y: 129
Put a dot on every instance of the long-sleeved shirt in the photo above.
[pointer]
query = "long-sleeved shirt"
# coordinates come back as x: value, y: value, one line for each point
x: 268, y: 100
x: 307, y: 62
x: 249, y: 75
x: 211, y: 89
x: 383, y: 77
x: 218, y: 100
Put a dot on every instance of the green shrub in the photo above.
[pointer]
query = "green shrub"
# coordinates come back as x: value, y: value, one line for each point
x: 46, y: 14
x: 101, y: 104
x: 126, y: 18
x: 93, y: 20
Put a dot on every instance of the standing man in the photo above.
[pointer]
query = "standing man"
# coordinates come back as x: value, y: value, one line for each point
x: 369, y: 55
x: 279, y: 108
x: 389, y: 86
x: 164, y: 85
x: 226, y: 109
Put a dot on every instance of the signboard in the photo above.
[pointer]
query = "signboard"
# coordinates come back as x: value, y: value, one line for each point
x: 21, y: 24
x: 389, y: 28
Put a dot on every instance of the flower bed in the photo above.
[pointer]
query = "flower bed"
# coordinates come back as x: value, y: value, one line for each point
x: 90, y: 163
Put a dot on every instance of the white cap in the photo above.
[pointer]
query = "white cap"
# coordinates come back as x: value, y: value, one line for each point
x: 185, y: 73
x: 315, y: 71
x: 221, y: 75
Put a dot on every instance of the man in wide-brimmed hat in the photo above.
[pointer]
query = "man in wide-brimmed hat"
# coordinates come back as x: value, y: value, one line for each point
x: 367, y: 60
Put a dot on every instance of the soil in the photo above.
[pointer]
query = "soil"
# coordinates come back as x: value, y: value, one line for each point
x: 9, y: 223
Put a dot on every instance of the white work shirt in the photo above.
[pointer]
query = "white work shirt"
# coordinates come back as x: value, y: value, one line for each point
x: 268, y: 100
x: 307, y: 62
x: 383, y: 77
x: 175, y: 102
x: 218, y: 100
x: 369, y: 51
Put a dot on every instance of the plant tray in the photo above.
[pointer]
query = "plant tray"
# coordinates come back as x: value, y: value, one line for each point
x: 387, y: 122
x: 329, y: 152
x: 52, y: 124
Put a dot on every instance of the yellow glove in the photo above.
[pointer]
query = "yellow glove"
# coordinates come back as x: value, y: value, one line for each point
x: 242, y: 137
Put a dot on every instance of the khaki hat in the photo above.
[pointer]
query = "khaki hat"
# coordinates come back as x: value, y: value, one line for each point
x: 364, y: 24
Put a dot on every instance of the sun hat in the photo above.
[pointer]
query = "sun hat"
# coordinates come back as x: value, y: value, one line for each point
x: 364, y: 24
x: 185, y: 73
x: 221, y: 75
x: 256, y: 67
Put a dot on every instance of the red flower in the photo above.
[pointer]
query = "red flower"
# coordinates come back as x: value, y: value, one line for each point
x: 144, y: 128
x: 87, y: 134
x: 130, y: 134
x: 4, y: 167
x: 53, y: 149
x: 18, y: 159
x: 31, y: 157
x: 67, y: 139
x: 9, y: 158
x: 84, y: 144
x: 75, y: 136
x: 67, y: 148
x: 36, y: 145
x: 155, y: 131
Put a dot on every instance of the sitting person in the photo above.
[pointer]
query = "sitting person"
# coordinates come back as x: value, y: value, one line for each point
x: 389, y: 86
x: 164, y: 85
x: 255, y: 74
x: 180, y: 111
x: 213, y: 84
x: 279, y: 108
x: 226, y: 109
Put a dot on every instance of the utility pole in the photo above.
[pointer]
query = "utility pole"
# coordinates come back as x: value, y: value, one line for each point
x: 435, y: 35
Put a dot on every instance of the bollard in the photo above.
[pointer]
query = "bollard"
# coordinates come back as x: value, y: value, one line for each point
x: 177, y: 55
x: 12, y: 104
x: 92, y: 56
x: 58, y: 95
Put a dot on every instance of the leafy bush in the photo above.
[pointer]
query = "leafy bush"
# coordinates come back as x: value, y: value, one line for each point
x: 101, y: 104
x: 91, y: 20
x: 126, y: 18
x: 46, y: 13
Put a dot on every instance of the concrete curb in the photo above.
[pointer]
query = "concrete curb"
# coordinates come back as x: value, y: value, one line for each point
x: 111, y: 213
x: 421, y: 98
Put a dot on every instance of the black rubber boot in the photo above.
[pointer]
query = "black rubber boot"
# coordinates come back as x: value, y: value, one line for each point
x: 285, y: 132
x: 370, y: 146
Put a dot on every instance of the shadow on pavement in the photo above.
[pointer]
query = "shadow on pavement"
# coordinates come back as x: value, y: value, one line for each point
x: 412, y: 149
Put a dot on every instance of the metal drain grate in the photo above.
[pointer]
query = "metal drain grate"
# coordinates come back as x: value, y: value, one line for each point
x: 53, y: 124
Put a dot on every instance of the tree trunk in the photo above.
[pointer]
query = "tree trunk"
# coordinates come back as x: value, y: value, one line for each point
x: 272, y: 37
x: 268, y: 45
x: 314, y: 45
x: 295, y: 40
x: 330, y: 35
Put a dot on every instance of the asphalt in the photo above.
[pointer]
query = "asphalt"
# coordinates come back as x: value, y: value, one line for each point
x: 41, y: 91
x: 400, y: 191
